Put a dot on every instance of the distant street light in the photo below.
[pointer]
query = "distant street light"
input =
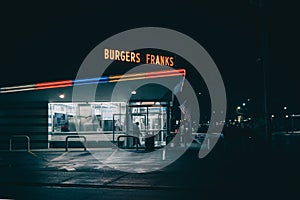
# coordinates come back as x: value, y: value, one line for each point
x: 240, y: 114
x: 244, y: 104
x: 285, y: 108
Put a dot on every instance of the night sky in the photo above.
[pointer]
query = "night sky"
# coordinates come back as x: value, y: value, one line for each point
x: 47, y: 42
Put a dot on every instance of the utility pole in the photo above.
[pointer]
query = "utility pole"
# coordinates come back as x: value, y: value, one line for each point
x: 265, y: 62
x: 262, y: 5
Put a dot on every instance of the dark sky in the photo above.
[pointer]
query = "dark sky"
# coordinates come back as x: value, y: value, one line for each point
x: 47, y: 41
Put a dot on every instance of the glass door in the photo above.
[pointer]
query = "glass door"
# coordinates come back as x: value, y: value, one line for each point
x: 157, y: 124
x: 152, y: 120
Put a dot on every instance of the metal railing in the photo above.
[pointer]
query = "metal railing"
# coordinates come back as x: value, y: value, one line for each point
x: 75, y: 136
x: 19, y: 136
x: 127, y: 136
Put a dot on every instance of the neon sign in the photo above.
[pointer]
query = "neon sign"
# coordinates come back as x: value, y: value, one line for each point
x: 135, y: 57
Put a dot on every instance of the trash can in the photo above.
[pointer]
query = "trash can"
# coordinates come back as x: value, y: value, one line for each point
x: 149, y: 142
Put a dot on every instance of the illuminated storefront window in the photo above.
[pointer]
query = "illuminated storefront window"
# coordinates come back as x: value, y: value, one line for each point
x: 86, y: 117
x: 94, y: 119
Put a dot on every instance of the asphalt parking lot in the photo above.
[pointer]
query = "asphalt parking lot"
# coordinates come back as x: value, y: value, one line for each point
x: 57, y: 174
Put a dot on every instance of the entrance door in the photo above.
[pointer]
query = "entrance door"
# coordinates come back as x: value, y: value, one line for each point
x: 157, y: 124
x: 152, y: 120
